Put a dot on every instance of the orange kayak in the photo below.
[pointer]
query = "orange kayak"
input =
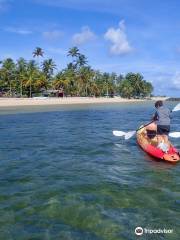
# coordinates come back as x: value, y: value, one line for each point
x: 149, y: 145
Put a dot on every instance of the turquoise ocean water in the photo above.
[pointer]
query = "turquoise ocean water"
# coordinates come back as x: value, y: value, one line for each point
x: 63, y: 175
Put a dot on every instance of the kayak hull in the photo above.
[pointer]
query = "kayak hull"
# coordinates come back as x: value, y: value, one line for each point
x: 150, y: 147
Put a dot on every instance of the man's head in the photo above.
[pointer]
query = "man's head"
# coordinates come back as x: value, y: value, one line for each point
x: 158, y: 104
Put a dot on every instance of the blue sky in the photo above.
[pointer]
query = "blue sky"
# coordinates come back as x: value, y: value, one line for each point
x: 117, y: 36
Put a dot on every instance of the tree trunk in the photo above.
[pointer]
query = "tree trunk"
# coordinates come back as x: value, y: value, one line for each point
x: 21, y: 91
x: 30, y: 90
x: 10, y: 90
x: 107, y: 92
x: 86, y: 90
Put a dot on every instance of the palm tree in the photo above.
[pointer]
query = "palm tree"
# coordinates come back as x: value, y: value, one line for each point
x: 71, y: 66
x: 21, y: 69
x: 136, y: 81
x: 67, y: 80
x: 38, y: 52
x: 126, y: 89
x: 85, y: 76
x: 8, y: 72
x: 48, y: 68
x: 73, y: 52
x: 32, y: 71
x: 61, y: 81
x: 146, y: 88
x: 98, y: 83
x: 106, y: 78
x: 81, y: 60
x: 41, y: 82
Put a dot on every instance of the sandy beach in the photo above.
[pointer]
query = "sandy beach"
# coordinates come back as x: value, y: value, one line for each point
x: 13, y: 102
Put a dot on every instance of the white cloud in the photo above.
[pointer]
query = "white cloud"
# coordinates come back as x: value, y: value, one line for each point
x: 53, y: 35
x: 84, y: 36
x: 18, y: 31
x: 118, y: 38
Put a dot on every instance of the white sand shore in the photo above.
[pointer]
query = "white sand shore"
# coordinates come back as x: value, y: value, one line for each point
x: 13, y: 102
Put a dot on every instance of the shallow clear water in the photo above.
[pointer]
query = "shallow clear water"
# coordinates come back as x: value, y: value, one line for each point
x: 63, y: 175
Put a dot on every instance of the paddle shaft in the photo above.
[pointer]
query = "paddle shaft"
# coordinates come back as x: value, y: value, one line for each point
x: 144, y: 126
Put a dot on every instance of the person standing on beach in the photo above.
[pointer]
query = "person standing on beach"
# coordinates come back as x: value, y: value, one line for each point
x: 162, y: 117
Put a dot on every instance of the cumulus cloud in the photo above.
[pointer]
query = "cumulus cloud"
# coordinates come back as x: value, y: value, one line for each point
x: 84, y: 36
x: 118, y: 39
x: 53, y: 35
x: 18, y: 31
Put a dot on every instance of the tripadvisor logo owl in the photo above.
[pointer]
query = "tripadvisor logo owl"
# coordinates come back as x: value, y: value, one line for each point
x: 139, y: 231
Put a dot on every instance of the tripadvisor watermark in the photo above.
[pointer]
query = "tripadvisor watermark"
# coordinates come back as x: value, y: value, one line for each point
x: 140, y: 231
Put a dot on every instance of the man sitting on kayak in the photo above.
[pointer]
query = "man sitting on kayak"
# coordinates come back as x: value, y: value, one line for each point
x: 162, y: 118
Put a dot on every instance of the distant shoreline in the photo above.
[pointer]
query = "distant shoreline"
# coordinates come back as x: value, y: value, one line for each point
x: 17, y: 102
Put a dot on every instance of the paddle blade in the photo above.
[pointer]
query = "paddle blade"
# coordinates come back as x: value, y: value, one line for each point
x: 118, y: 133
x: 129, y: 135
x: 174, y: 134
x: 176, y: 108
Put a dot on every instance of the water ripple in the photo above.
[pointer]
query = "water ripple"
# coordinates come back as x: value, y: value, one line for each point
x: 65, y: 176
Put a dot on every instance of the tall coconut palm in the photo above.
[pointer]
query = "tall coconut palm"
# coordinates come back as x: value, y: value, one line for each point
x: 32, y: 72
x: 73, y: 52
x: 106, y: 77
x: 21, y: 70
x: 40, y: 82
x: 146, y: 88
x: 81, y: 60
x: 126, y: 89
x: 136, y: 80
x: 66, y: 80
x: 61, y: 81
x: 98, y: 83
x: 48, y: 67
x: 71, y: 66
x: 38, y: 52
x: 85, y: 76
x: 8, y: 72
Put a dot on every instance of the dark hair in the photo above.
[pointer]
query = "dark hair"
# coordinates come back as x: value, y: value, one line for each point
x: 158, y: 104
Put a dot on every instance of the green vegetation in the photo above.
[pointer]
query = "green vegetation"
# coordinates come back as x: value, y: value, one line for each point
x: 27, y: 78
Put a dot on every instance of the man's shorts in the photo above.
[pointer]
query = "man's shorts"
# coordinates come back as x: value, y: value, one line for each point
x: 163, y: 129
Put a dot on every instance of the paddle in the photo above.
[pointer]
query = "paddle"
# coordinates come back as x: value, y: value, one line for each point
x: 174, y: 134
x: 128, y: 135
